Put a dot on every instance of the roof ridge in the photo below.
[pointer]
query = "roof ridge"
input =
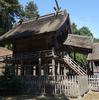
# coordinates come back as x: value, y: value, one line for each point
x: 44, y: 16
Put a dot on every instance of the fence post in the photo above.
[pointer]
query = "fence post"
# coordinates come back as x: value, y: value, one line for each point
x: 39, y: 64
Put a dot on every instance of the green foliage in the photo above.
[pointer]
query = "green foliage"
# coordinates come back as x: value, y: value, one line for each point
x: 75, y: 30
x: 81, y: 59
x: 96, y: 40
x: 9, y: 80
x: 8, y: 10
x: 85, y: 31
x: 30, y: 9
x: 9, y: 46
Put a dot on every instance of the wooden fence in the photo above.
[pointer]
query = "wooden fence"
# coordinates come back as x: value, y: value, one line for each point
x: 71, y: 86
x: 93, y: 81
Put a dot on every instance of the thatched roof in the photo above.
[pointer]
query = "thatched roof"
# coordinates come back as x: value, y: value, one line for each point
x: 44, y: 24
x: 4, y: 52
x: 94, y: 56
x: 79, y: 43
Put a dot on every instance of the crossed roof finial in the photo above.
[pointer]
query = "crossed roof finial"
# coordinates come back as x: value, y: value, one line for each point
x: 56, y: 9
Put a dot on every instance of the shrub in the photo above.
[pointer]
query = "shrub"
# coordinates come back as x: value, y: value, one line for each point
x: 9, y: 81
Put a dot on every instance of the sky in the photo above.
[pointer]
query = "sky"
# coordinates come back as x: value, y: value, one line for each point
x: 82, y: 12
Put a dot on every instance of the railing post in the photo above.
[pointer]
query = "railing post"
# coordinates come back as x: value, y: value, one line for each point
x: 53, y: 51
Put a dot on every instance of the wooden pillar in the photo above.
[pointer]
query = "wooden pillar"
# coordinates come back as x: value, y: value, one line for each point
x: 88, y: 69
x: 58, y: 70
x: 69, y: 71
x: 67, y: 55
x: 6, y: 63
x: 28, y: 70
x: 64, y: 70
x: 17, y: 70
x: 39, y: 66
x: 46, y: 69
x: 72, y: 72
x: 55, y: 70
x: 37, y: 70
x: 53, y: 66
x: 92, y: 67
x: 74, y: 56
x: 53, y: 51
x: 21, y: 67
x: 31, y: 69
x: 55, y: 43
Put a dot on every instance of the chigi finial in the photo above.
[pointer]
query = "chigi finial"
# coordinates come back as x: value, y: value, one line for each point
x: 36, y: 15
x: 56, y: 9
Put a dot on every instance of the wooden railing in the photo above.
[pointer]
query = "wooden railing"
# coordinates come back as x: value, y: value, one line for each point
x: 93, y: 81
x: 74, y: 66
x: 27, y: 55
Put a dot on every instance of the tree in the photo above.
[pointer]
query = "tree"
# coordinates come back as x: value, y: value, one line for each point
x: 30, y: 9
x: 75, y: 30
x: 8, y: 11
x: 85, y: 31
x: 96, y: 40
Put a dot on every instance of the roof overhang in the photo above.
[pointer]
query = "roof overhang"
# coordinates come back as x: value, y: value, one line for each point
x: 78, y: 43
x: 94, y: 56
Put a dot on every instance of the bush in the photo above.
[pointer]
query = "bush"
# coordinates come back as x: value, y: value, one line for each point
x: 9, y: 81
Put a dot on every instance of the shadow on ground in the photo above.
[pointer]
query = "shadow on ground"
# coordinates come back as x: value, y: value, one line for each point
x: 33, y: 97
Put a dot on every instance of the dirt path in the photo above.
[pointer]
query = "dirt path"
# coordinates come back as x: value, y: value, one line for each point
x: 88, y: 96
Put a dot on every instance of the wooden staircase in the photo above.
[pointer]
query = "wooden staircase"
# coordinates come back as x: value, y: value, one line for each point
x: 74, y: 66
